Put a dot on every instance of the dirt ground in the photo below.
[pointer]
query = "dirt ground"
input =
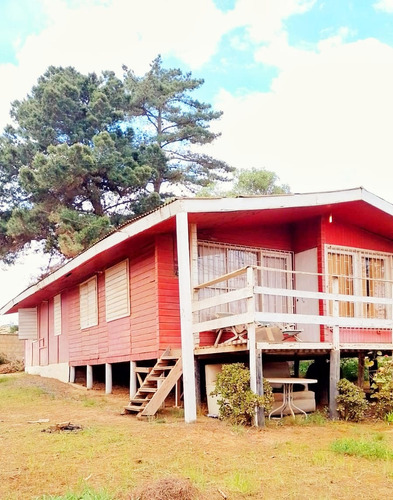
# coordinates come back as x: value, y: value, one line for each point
x: 123, y: 456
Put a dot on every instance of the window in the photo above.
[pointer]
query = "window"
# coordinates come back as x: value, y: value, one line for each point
x: 363, y: 273
x: 218, y: 259
x: 117, y: 296
x: 28, y: 324
x: 88, y: 303
x: 57, y: 315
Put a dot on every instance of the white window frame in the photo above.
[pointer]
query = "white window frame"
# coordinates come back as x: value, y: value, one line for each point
x: 271, y: 303
x: 358, y: 254
x: 117, y: 291
x: 88, y: 301
x: 57, y: 318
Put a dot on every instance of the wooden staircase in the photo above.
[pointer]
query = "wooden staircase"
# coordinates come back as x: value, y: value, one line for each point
x: 156, y: 386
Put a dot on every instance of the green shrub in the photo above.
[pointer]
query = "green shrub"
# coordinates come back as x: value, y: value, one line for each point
x: 349, y: 369
x: 382, y: 385
x: 237, y: 403
x: 3, y: 358
x: 351, y: 401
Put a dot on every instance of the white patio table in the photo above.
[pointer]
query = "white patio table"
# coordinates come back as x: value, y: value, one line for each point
x: 287, y: 402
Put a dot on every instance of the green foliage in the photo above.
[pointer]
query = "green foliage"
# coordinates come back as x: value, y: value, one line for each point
x: 3, y: 358
x: 382, y: 385
x: 88, y: 152
x: 170, y: 123
x: 349, y: 369
x: 237, y: 402
x: 351, y: 401
x: 249, y: 182
x: 371, y: 449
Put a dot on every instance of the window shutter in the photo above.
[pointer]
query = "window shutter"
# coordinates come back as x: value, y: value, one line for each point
x: 28, y: 324
x: 88, y: 303
x: 117, y: 296
x: 57, y: 315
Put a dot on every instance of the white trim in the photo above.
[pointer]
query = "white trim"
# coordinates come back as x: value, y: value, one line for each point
x: 187, y: 338
x: 200, y: 205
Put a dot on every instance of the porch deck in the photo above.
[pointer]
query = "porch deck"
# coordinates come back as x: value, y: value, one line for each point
x: 336, y: 321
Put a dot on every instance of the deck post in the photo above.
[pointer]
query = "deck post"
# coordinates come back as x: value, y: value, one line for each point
x: 334, y: 356
x: 260, y: 414
x: 185, y: 297
x: 89, y: 377
x: 255, y: 361
x: 108, y: 378
x: 334, y: 378
x: 133, y: 387
x: 361, y: 358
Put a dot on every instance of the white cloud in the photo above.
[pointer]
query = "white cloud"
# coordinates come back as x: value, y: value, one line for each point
x: 325, y: 123
x: 384, y: 5
x: 94, y: 36
x: 263, y: 18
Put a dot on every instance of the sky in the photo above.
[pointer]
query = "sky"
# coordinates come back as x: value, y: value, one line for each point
x: 305, y: 86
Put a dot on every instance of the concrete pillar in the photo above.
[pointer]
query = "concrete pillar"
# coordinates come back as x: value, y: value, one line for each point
x: 72, y: 374
x: 108, y: 378
x: 133, y: 387
x: 89, y: 377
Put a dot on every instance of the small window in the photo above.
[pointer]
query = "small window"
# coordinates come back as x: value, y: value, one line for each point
x: 117, y: 295
x: 28, y: 324
x: 88, y: 303
x: 57, y: 315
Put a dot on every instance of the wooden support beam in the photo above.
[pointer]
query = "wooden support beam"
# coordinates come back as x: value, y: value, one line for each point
x: 187, y: 339
x: 260, y: 413
x: 361, y: 358
x: 333, y: 380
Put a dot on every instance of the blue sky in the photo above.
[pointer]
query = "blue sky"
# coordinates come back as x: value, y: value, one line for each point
x: 305, y: 85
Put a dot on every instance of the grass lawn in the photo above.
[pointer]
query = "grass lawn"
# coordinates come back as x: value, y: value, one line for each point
x: 116, y: 456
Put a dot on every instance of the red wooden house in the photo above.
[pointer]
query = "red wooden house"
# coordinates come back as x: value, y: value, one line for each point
x: 200, y: 276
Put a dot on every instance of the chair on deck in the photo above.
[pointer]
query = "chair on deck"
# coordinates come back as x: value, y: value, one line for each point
x: 276, y: 334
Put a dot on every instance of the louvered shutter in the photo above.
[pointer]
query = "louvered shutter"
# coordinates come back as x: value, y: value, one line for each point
x: 57, y: 315
x: 88, y: 303
x: 117, y: 296
x: 28, y: 324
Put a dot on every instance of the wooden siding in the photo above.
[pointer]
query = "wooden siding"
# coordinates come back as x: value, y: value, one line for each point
x: 271, y: 237
x: 144, y: 305
x: 168, y: 293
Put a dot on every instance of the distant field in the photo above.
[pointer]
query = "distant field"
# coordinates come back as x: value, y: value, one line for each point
x: 115, y: 456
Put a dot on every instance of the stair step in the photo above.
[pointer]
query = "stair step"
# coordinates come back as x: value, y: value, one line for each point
x: 143, y: 369
x: 133, y: 408
x: 162, y: 368
x: 147, y: 389
x: 139, y: 400
x: 169, y: 357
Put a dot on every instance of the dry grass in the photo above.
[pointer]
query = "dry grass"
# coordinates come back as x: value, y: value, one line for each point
x: 115, y: 456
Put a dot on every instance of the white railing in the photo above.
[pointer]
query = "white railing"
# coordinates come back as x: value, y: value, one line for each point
x: 224, y: 306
